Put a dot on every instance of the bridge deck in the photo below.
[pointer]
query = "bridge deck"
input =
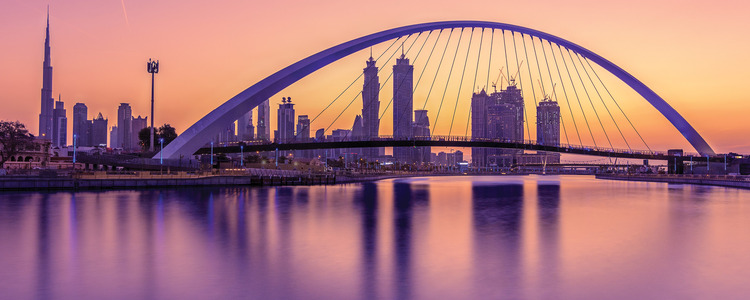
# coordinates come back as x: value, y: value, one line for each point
x: 451, y: 141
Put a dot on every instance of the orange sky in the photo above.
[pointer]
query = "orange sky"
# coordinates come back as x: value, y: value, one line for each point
x: 693, y: 54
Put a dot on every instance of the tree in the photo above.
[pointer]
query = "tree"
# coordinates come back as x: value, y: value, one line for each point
x: 166, y: 131
x: 13, y: 138
x: 339, y: 163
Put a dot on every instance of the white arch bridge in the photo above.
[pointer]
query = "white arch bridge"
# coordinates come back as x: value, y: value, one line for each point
x: 197, y: 135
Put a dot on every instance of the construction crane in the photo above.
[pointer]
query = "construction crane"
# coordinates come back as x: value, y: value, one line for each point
x: 494, y: 83
x: 513, y: 78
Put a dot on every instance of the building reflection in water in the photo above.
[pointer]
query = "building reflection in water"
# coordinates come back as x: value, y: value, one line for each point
x: 548, y: 207
x: 497, y: 211
x: 45, y: 246
x: 406, y: 199
x: 367, y: 203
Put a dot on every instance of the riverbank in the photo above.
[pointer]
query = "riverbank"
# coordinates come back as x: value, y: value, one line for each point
x: 138, y: 180
x: 22, y: 183
x: 714, y: 180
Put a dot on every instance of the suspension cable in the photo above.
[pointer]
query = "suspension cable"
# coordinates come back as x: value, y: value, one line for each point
x: 425, y: 66
x: 598, y: 94
x: 489, y: 64
x: 434, y: 79
x: 507, y: 65
x: 403, y: 113
x: 618, y: 105
x: 473, y: 85
x: 360, y: 92
x: 461, y: 82
x: 450, y: 72
x: 402, y: 80
x: 520, y: 83
x: 587, y: 94
x: 398, y: 86
x: 585, y: 119
x: 541, y: 43
x: 528, y: 65
x: 350, y: 85
x: 541, y: 82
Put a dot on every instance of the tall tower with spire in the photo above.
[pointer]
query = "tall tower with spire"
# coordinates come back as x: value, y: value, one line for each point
x: 370, y: 106
x: 47, y: 107
x: 403, y: 104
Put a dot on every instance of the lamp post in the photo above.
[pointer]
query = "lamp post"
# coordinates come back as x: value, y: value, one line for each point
x: 212, y: 154
x: 74, y: 151
x: 153, y: 68
x: 242, y: 156
x: 161, y: 156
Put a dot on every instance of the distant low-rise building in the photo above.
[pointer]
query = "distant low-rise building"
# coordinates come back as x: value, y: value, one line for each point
x: 36, y: 155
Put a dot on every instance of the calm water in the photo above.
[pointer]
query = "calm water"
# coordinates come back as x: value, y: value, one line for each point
x: 421, y: 238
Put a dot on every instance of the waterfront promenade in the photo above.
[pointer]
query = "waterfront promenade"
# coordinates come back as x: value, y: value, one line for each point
x: 143, y: 179
x: 716, y: 180
x: 150, y: 179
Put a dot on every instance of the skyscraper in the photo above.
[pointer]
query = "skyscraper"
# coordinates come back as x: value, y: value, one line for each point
x: 479, y: 127
x: 114, y: 140
x: 124, y: 126
x: 285, y: 121
x: 303, y: 135
x: 264, y: 121
x: 59, y: 125
x: 370, y: 106
x: 505, y: 118
x: 138, y: 124
x: 47, y: 106
x: 548, y: 128
x: 499, y: 115
x: 250, y: 130
x: 81, y: 125
x: 512, y: 97
x: 421, y: 129
x: 245, y: 127
x: 227, y: 135
x: 99, y: 131
x: 303, y: 128
x: 548, y: 123
x: 403, y: 105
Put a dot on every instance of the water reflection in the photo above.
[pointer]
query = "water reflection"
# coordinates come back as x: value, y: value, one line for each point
x: 497, y: 211
x: 423, y: 238
x: 548, y: 206
x: 43, y: 260
x: 406, y: 200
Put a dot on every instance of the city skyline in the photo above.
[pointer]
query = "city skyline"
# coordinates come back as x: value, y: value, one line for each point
x: 422, y: 149
x: 701, y: 115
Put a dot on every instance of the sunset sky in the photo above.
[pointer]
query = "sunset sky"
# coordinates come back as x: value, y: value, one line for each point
x: 692, y: 53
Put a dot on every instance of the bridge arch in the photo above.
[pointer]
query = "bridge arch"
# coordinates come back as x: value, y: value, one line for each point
x: 199, y: 133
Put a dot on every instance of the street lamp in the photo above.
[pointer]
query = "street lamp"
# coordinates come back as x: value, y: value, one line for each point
x: 242, y: 156
x: 74, y: 151
x: 212, y: 154
x: 161, y: 156
x: 153, y: 68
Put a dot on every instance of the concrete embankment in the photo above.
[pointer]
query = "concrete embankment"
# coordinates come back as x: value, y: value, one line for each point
x: 715, y: 180
x: 40, y: 183
x: 360, y: 178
